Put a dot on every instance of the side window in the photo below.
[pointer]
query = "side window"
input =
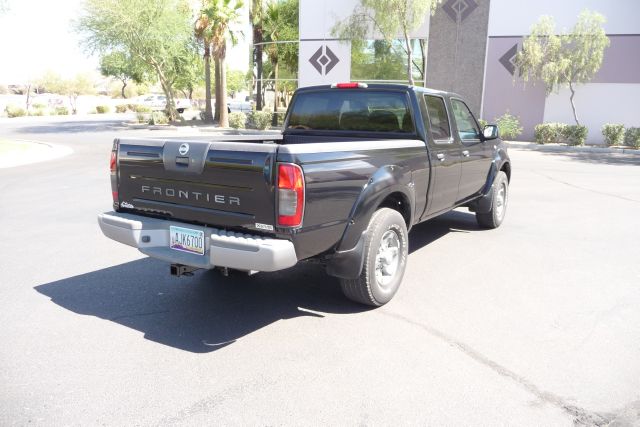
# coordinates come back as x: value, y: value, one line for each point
x: 467, y: 127
x: 438, y: 119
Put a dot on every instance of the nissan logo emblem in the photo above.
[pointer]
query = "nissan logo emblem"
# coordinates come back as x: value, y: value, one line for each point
x: 184, y: 149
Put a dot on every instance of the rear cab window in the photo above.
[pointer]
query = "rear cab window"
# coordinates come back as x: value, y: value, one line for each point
x: 367, y: 110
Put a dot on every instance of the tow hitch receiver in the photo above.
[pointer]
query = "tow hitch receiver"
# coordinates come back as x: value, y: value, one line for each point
x: 182, y: 270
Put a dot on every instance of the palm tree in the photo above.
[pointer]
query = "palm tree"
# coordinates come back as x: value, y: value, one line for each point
x: 256, y: 22
x: 280, y: 24
x: 272, y: 26
x: 203, y: 33
x: 214, y: 22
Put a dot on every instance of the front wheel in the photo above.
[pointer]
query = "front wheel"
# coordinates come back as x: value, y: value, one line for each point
x: 499, y: 199
x: 385, y: 259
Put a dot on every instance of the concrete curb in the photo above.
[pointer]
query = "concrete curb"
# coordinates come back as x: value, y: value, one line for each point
x: 36, y: 155
x: 557, y: 148
x: 138, y: 126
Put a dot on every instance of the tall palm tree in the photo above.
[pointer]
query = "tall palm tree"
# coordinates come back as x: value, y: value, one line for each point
x: 271, y: 27
x: 216, y: 17
x: 203, y: 31
x: 280, y: 24
x: 256, y: 16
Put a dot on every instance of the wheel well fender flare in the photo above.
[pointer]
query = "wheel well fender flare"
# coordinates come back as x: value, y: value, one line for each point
x: 387, y: 181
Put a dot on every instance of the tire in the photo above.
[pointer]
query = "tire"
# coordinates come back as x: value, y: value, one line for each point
x: 382, y: 272
x: 499, y: 201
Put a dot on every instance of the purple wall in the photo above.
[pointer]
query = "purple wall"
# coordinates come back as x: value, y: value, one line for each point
x: 504, y: 92
x: 621, y: 63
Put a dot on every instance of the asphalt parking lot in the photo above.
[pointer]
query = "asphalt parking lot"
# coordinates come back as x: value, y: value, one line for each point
x: 535, y: 323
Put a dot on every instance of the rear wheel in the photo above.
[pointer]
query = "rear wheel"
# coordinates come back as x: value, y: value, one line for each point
x: 499, y: 199
x: 385, y: 259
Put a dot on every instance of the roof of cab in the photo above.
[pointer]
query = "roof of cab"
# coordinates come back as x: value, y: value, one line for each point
x: 387, y: 86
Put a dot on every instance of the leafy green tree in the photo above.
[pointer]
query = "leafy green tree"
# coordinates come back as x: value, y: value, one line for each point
x: 190, y: 73
x: 124, y: 68
x: 280, y: 24
x: 564, y: 59
x: 81, y: 84
x: 217, y: 18
x: 158, y: 33
x: 377, y: 60
x: 389, y: 18
x: 236, y: 81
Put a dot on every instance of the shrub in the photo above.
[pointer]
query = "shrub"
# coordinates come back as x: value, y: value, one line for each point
x: 550, y: 133
x: 61, y: 111
x: 237, y: 120
x: 482, y: 123
x: 39, y: 106
x: 102, y: 109
x: 13, y: 111
x: 545, y: 133
x: 575, y: 134
x: 37, y: 112
x: 121, y: 108
x: 158, y: 118
x: 260, y: 119
x: 632, y: 137
x: 613, y: 134
x: 509, y: 126
x: 141, y: 109
x: 142, y: 117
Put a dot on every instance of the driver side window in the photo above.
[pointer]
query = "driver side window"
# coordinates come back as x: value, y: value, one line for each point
x: 467, y: 126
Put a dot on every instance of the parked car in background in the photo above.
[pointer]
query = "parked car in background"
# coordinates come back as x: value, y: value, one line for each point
x: 241, y: 106
x: 159, y: 102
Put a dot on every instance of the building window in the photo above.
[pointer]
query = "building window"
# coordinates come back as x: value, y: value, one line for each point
x: 384, y: 60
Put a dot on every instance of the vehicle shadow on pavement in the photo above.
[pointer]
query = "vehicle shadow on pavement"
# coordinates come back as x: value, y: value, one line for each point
x: 202, y: 313
x: 75, y: 127
x: 207, y: 312
x: 452, y: 222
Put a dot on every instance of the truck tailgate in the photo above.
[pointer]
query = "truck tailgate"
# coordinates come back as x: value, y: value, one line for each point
x: 220, y: 183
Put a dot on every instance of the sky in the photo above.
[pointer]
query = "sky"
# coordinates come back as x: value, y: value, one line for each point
x: 37, y: 35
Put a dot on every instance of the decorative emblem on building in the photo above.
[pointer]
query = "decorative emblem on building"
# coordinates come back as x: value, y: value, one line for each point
x: 508, y: 60
x: 458, y: 10
x: 324, y: 60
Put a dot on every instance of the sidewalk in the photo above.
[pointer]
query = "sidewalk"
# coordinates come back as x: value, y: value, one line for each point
x: 23, y: 152
x: 575, y: 149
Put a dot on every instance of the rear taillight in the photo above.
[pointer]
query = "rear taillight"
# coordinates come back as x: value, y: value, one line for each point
x: 290, y: 195
x: 113, y: 161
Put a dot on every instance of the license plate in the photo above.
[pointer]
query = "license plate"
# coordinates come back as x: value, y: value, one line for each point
x: 186, y: 240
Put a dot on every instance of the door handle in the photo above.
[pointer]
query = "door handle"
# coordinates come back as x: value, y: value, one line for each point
x: 465, y: 153
x: 440, y: 157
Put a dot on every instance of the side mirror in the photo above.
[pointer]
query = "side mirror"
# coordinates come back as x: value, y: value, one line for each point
x: 490, y: 132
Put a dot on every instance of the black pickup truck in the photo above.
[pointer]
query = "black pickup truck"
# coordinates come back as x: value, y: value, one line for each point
x: 355, y: 167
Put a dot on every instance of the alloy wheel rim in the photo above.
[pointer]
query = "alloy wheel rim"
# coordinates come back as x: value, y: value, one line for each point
x: 387, y: 258
x: 501, y: 200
